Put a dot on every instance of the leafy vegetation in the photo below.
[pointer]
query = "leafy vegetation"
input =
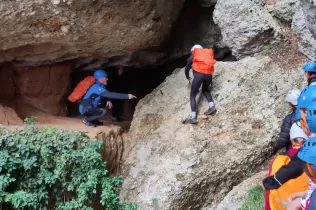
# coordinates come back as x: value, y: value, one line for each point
x: 255, y: 199
x: 49, y: 168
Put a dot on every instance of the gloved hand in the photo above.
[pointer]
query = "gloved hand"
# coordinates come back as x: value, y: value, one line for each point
x: 270, y: 183
x: 272, y: 148
x: 189, y: 78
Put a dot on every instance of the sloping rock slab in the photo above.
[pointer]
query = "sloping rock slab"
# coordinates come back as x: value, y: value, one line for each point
x: 169, y: 165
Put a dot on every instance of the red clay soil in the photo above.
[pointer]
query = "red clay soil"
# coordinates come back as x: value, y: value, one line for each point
x: 44, y: 87
x: 13, y: 117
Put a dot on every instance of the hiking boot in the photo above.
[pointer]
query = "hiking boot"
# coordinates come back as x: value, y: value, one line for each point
x: 211, y: 111
x: 191, y: 120
x: 117, y: 119
x: 87, y: 123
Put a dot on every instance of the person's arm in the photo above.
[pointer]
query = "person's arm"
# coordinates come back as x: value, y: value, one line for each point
x: 284, y: 137
x: 112, y: 95
x: 188, y: 66
x: 290, y: 171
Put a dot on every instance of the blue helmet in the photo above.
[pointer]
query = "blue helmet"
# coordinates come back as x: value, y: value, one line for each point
x: 309, y: 67
x: 311, y: 118
x: 100, y: 74
x: 306, y: 99
x: 307, y: 152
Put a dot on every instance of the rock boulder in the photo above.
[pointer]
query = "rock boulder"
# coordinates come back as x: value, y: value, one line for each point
x: 283, y: 10
x: 169, y: 165
x: 304, y: 25
x: 246, y: 26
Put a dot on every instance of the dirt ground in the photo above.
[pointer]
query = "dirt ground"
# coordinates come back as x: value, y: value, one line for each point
x: 13, y: 117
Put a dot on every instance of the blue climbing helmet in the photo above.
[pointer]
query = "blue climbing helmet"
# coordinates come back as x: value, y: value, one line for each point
x: 311, y: 118
x: 305, y: 100
x: 307, y: 152
x: 100, y: 74
x: 309, y: 67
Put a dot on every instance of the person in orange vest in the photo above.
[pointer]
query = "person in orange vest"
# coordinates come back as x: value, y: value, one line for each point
x: 202, y: 62
x: 306, y: 200
x: 278, y: 185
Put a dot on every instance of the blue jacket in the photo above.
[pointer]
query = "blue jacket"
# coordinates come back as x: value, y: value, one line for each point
x: 94, y: 96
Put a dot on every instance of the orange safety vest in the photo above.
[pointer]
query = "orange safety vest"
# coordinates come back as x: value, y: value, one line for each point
x: 203, y: 61
x: 278, y: 198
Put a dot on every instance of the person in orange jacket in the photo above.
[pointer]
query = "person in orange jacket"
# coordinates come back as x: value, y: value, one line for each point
x: 202, y: 62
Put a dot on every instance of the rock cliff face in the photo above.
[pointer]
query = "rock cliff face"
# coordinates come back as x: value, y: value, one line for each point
x: 169, y: 165
x: 248, y: 27
x: 44, y: 87
x: 56, y: 30
x: 304, y: 25
x: 102, y: 32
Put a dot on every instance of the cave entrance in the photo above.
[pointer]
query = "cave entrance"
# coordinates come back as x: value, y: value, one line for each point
x: 137, y: 81
x: 42, y: 91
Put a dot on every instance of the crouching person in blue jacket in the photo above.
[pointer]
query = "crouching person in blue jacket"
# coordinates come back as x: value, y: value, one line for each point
x: 90, y: 105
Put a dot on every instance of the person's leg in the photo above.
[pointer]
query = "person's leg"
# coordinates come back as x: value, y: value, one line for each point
x: 206, y: 92
x: 205, y: 87
x: 92, y: 116
x: 196, y: 84
x: 116, y: 110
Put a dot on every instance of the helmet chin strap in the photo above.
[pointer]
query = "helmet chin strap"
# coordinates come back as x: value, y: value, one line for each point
x: 312, y: 175
x: 304, y: 124
x: 311, y: 76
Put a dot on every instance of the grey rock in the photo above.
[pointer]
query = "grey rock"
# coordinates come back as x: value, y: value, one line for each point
x: 168, y: 165
x: 284, y: 10
x: 309, y: 8
x: 246, y: 26
x: 306, y: 38
x: 39, y: 32
x: 238, y: 195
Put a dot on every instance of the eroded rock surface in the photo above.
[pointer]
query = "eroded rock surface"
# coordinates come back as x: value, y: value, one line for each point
x: 44, y: 87
x: 57, y: 30
x: 246, y: 26
x: 283, y: 10
x: 304, y: 25
x: 173, y: 166
x: 237, y: 197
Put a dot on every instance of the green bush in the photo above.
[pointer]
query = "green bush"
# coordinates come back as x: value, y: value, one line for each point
x: 49, y: 168
x: 255, y: 199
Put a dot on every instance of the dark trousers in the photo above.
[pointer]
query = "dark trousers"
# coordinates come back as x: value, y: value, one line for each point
x: 200, y: 79
x: 94, y: 113
x: 117, y: 108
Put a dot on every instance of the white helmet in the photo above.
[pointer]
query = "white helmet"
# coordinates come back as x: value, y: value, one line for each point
x: 297, y: 132
x: 195, y: 47
x: 292, y: 96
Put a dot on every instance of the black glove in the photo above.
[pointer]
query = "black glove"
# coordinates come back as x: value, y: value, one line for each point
x: 271, y: 146
x: 270, y: 183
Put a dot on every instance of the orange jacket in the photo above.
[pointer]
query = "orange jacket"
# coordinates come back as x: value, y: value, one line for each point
x: 203, y: 61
